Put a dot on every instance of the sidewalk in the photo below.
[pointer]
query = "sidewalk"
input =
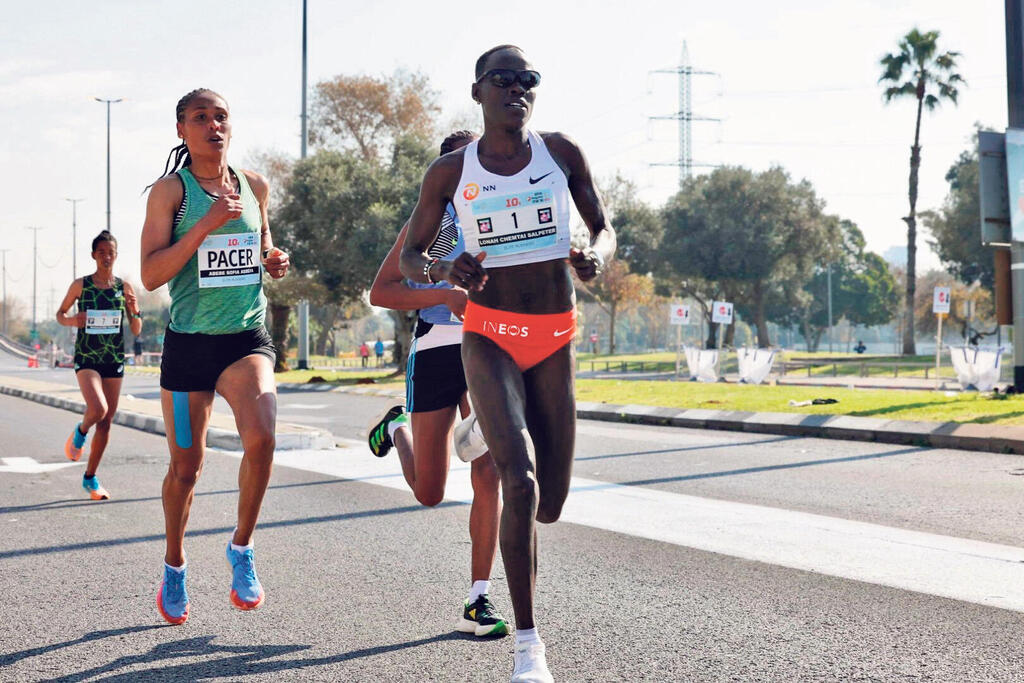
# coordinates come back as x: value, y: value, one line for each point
x: 147, y: 415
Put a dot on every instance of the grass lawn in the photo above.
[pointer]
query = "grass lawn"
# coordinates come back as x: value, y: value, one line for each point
x: 896, y: 405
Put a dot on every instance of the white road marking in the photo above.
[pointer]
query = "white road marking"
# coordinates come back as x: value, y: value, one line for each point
x: 22, y: 465
x: 962, y: 569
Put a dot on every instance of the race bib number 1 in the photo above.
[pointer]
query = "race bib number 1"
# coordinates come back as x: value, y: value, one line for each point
x: 229, y: 260
x: 102, y: 322
x: 515, y: 223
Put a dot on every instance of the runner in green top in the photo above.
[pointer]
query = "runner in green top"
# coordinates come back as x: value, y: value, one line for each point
x: 103, y: 301
x: 207, y: 236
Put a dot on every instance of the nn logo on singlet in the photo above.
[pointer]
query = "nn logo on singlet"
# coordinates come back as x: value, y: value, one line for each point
x: 471, y: 191
x: 506, y: 330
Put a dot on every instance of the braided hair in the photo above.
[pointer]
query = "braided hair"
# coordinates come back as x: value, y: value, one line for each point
x: 179, y: 156
x: 455, y: 138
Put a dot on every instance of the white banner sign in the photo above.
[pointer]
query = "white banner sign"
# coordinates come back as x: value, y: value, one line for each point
x: 940, y: 300
x: 721, y: 312
x: 679, y: 314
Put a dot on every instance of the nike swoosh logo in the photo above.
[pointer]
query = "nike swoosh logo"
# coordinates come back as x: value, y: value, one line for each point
x: 559, y: 333
x: 537, y: 180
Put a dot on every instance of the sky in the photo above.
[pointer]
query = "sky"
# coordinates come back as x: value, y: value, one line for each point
x: 796, y: 86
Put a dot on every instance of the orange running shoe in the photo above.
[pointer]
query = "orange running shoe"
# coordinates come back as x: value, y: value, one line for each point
x: 93, y: 488
x: 73, y: 446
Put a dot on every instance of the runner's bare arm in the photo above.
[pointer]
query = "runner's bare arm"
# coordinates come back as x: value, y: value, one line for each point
x: 162, y: 260
x: 77, y: 320
x: 588, y: 203
x: 436, y: 191
x: 276, y: 263
x: 131, y: 307
x: 389, y: 289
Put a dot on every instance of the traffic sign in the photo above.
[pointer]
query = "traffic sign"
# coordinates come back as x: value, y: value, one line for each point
x: 721, y: 312
x: 940, y: 300
x: 679, y: 314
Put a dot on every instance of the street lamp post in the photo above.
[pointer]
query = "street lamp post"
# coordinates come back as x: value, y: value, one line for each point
x: 3, y: 256
x: 303, y: 360
x: 35, y: 240
x: 108, y: 103
x: 74, y: 235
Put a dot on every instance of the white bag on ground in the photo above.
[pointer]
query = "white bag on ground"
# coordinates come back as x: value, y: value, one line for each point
x: 755, y: 364
x: 977, y: 367
x: 702, y: 363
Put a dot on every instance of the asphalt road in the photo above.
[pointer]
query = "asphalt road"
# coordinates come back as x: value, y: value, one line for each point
x: 364, y: 585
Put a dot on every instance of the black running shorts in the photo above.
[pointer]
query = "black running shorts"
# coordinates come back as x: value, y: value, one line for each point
x: 105, y: 370
x: 193, y: 362
x: 434, y: 379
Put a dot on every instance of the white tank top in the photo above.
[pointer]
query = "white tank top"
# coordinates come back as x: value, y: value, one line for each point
x: 516, y: 219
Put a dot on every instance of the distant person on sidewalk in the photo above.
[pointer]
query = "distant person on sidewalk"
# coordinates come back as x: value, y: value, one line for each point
x: 103, y: 300
x: 860, y: 347
x: 364, y: 353
x: 378, y: 349
x: 137, y: 348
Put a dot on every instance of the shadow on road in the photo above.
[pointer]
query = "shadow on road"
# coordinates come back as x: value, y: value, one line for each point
x: 241, y: 660
x: 750, y: 470
x: 113, y: 542
x: 684, y: 449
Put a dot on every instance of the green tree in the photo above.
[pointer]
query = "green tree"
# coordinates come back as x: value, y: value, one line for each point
x: 638, y: 228
x: 918, y: 71
x: 864, y: 291
x: 617, y: 290
x: 955, y: 229
x: 746, y: 232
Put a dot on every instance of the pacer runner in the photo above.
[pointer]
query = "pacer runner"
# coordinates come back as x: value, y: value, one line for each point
x: 206, y: 235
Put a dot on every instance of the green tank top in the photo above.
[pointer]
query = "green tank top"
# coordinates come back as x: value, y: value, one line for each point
x: 101, y: 341
x: 220, y: 289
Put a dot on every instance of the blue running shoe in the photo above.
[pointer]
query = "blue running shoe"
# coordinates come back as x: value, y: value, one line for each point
x: 172, y: 598
x: 73, y: 446
x: 246, y: 591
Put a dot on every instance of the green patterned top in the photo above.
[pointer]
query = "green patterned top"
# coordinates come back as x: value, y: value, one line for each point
x: 220, y: 289
x: 101, y: 341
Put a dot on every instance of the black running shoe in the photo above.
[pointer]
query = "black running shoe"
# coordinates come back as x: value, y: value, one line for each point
x: 481, y: 618
x: 378, y: 439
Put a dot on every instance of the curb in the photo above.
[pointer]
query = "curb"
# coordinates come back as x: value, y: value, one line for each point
x: 307, y: 439
x: 965, y: 436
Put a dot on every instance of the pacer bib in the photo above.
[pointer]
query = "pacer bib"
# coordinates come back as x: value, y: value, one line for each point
x: 102, y: 321
x: 229, y: 260
x: 522, y: 218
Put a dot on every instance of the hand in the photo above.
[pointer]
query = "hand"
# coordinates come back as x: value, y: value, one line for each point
x: 228, y: 207
x: 276, y: 264
x: 586, y: 262
x: 78, y: 320
x: 465, y: 271
x: 456, y: 302
x: 131, y: 304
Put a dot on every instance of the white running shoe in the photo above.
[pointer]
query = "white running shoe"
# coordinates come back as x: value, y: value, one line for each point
x: 531, y: 666
x: 469, y: 442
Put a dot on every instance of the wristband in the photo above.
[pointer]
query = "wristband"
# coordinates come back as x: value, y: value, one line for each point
x: 426, y: 270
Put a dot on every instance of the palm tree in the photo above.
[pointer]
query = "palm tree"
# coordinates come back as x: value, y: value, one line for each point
x: 918, y: 71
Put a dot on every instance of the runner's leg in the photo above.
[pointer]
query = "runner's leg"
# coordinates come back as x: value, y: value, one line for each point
x: 484, y: 512
x: 90, y: 382
x: 184, y: 469
x: 499, y: 399
x: 111, y: 387
x: 426, y: 454
x: 551, y: 418
x: 248, y: 387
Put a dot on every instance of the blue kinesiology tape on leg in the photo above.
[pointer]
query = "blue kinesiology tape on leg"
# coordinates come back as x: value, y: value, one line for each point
x: 182, y: 421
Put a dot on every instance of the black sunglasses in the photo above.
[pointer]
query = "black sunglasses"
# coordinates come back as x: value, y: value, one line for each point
x: 503, y: 78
